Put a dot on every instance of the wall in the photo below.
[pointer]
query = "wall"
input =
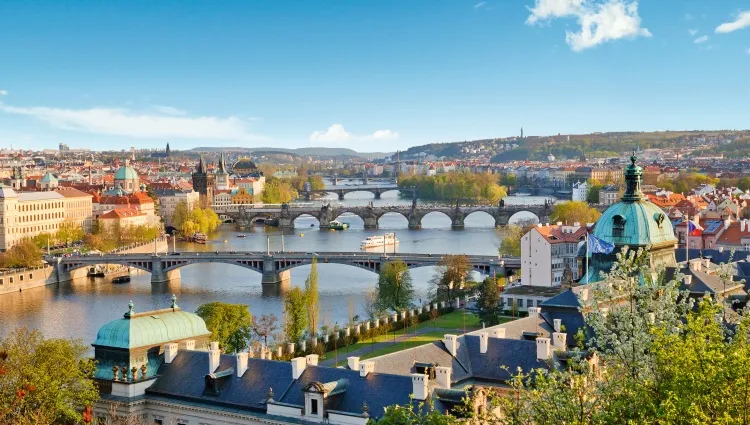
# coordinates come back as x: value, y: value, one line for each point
x: 26, y: 279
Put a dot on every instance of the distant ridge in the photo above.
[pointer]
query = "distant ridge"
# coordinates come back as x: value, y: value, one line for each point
x: 312, y: 151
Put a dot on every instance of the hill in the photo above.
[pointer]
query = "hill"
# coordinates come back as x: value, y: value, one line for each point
x: 311, y: 151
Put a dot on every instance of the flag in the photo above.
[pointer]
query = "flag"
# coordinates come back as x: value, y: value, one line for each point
x: 694, y: 229
x: 598, y: 246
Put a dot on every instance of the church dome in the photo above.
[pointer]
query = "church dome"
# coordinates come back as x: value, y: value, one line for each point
x: 244, y: 164
x: 126, y: 173
x: 48, y: 178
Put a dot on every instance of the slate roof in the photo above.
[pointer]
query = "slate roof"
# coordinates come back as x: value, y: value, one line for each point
x: 402, y: 362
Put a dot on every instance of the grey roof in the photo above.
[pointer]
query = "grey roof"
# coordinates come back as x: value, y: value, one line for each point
x: 571, y: 319
x: 515, y: 328
x: 402, y: 362
x: 567, y: 299
x: 717, y: 257
x: 38, y: 196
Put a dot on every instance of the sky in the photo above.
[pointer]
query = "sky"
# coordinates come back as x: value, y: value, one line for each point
x: 370, y: 75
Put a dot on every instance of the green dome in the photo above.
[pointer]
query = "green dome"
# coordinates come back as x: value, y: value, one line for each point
x: 126, y: 173
x: 48, y: 178
x: 638, y: 223
x: 150, y: 329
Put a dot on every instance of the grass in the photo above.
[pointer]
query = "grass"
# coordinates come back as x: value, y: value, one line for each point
x: 416, y: 341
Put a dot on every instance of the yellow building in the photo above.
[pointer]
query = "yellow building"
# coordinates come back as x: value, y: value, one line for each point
x: 242, y: 196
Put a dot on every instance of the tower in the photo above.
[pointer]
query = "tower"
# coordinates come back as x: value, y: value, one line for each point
x: 203, y: 182
x: 167, y: 149
x: 521, y: 133
x: 222, y: 176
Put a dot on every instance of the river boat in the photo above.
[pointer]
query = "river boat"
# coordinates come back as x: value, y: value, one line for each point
x: 388, y: 239
x: 337, y: 225
x: 242, y: 235
x: 96, y: 271
x: 199, y: 238
x: 121, y: 279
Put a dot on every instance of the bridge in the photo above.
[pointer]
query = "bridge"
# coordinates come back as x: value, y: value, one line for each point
x: 245, y: 214
x: 363, y: 177
x: 375, y: 190
x: 274, y: 266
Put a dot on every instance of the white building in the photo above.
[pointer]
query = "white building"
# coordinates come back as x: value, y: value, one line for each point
x: 547, y: 251
x: 580, y: 191
x: 170, y: 198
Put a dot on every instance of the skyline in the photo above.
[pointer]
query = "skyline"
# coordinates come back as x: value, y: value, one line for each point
x: 366, y: 76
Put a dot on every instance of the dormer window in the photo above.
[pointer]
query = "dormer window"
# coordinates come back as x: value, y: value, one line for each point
x: 618, y: 226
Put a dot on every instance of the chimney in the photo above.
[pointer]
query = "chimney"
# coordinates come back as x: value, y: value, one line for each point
x: 742, y: 225
x: 559, y: 223
x: 706, y: 264
x: 557, y: 323
x: 241, y: 363
x: 687, y: 280
x: 534, y: 311
x: 311, y: 359
x: 726, y: 223
x: 695, y: 264
x: 451, y: 343
x: 170, y: 351
x: 298, y: 366
x: 188, y: 344
x: 214, y: 356
x: 443, y: 376
x: 497, y: 333
x: 483, y: 342
x: 543, y: 351
x: 419, y: 386
x: 559, y: 341
x: 353, y: 363
x: 366, y: 367
x: 721, y: 249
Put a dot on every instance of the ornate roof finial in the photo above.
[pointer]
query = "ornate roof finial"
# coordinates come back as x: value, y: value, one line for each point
x: 633, y: 158
x: 270, y: 393
x: 130, y: 308
x: 174, y: 301
x: 365, y: 409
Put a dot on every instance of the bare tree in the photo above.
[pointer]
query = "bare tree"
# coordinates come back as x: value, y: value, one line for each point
x: 265, y: 326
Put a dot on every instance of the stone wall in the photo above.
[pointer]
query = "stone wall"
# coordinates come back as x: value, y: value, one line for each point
x: 23, y: 279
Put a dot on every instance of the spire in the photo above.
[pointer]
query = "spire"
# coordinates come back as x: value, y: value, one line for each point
x: 633, y: 175
x: 222, y: 165
x: 201, y: 169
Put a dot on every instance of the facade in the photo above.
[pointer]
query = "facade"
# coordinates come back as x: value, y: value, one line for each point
x: 138, y: 201
x: 253, y: 185
x: 242, y: 196
x: 126, y: 179
x: 222, y: 175
x: 223, y: 198
x: 124, y: 217
x: 609, y: 195
x: 634, y: 222
x: 25, y: 215
x: 204, y: 182
x: 170, y: 198
x: 547, y: 251
x: 580, y: 191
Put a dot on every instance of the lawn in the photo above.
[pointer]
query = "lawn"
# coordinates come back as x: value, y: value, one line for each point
x: 422, y: 339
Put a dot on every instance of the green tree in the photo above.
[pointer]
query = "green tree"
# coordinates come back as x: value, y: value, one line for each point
x: 488, y: 307
x: 574, y: 211
x: 44, y: 380
x: 510, y: 245
x: 230, y: 324
x: 265, y: 326
x: 295, y: 313
x: 68, y: 232
x: 180, y: 215
x: 395, y: 288
x: 592, y: 195
x: 409, y: 414
x: 451, y: 275
x: 24, y: 254
x: 311, y: 297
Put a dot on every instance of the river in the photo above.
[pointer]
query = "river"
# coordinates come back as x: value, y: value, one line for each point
x: 77, y: 309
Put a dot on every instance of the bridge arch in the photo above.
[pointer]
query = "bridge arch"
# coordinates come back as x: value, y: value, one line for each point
x: 360, y: 192
x: 479, y: 218
x: 306, y: 220
x: 524, y: 216
x: 350, y: 217
x: 439, y: 218
x: 393, y: 219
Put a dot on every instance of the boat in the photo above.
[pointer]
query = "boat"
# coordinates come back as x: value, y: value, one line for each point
x: 376, y: 241
x: 121, y: 279
x: 242, y: 235
x: 337, y: 225
x: 199, y: 238
x: 96, y: 271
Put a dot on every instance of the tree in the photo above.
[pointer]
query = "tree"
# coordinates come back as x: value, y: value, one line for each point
x: 511, y: 242
x: 488, y: 307
x: 422, y: 414
x: 24, y: 254
x: 265, y: 327
x: 574, y: 212
x: 180, y: 215
x: 44, y: 380
x: 69, y: 231
x: 452, y: 271
x: 395, y: 288
x: 311, y: 297
x: 592, y: 195
x: 295, y: 313
x: 230, y: 324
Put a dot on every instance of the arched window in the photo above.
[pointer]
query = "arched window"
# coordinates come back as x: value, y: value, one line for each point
x: 618, y: 226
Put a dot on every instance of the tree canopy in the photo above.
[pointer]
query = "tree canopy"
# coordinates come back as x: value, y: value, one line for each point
x: 295, y: 314
x: 230, y: 324
x: 278, y: 191
x: 451, y: 275
x: 395, y: 287
x: 574, y: 211
x: 187, y: 221
x: 24, y: 254
x: 488, y: 306
x: 311, y: 297
x: 479, y: 187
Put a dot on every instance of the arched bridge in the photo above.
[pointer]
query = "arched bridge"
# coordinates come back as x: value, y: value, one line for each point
x: 274, y: 266
x: 370, y: 214
x: 375, y: 190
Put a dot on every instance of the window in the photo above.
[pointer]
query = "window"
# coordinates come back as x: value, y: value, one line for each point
x: 618, y: 226
x: 314, y: 407
x: 520, y: 302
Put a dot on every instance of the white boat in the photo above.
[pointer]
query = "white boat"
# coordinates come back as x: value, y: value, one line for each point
x: 376, y: 241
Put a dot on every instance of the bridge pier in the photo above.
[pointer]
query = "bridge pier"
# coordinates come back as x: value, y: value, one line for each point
x: 168, y: 276
x: 370, y: 222
x: 286, y: 223
x: 276, y: 278
x: 415, y: 222
x: 377, y: 193
x: 341, y: 194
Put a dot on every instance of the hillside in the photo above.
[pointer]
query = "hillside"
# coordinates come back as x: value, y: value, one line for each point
x: 311, y: 151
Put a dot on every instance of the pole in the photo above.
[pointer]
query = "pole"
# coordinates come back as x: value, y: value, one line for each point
x: 587, y: 257
x: 268, y: 245
x: 282, y: 243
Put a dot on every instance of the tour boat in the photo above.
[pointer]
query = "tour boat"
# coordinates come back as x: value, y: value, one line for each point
x: 242, y: 235
x: 199, y: 238
x: 376, y: 241
x: 121, y: 279
x: 337, y: 225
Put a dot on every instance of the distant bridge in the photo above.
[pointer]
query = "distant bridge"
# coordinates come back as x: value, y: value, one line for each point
x: 375, y: 190
x: 274, y: 266
x: 370, y: 215
x: 363, y: 177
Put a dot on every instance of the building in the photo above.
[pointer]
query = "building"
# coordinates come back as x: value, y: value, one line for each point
x: 25, y: 215
x: 204, y: 182
x: 123, y: 217
x: 285, y: 174
x: 245, y: 167
x: 242, y: 196
x: 170, y: 198
x: 609, y: 194
x: 253, y: 185
x: 48, y: 182
x: 580, y: 191
x: 126, y: 179
x: 633, y: 222
x: 548, y: 251
x: 160, y: 367
x: 222, y: 175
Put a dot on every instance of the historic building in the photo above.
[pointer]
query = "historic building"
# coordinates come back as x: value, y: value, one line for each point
x: 634, y: 222
x: 126, y: 179
x: 245, y: 167
x: 548, y: 250
x: 204, y: 182
x: 170, y: 198
x: 222, y: 175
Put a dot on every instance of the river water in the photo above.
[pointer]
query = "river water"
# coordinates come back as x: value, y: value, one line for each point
x: 77, y: 309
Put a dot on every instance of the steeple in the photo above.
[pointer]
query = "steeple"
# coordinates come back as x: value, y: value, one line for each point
x: 201, y: 169
x: 633, y: 175
x: 222, y: 165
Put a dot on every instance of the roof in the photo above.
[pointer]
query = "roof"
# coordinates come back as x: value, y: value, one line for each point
x: 561, y: 234
x: 38, y: 196
x: 126, y: 173
x: 120, y: 213
x: 150, y: 328
x: 71, y: 192
x: 644, y: 224
x: 7, y: 192
x: 48, y: 178
x: 244, y: 164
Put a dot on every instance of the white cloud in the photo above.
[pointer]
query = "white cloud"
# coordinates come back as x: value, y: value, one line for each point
x: 742, y: 21
x: 168, y: 110
x: 600, y: 22
x: 692, y: 32
x: 480, y: 4
x: 123, y: 122
x: 700, y: 40
x: 3, y: 92
x: 336, y: 135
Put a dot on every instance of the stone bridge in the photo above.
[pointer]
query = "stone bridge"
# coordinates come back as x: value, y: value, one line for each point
x: 287, y: 213
x: 375, y: 190
x: 274, y: 266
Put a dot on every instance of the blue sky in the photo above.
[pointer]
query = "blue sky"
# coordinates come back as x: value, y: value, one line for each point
x: 368, y: 75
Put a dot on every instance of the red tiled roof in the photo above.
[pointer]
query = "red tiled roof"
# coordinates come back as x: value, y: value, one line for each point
x: 119, y: 213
